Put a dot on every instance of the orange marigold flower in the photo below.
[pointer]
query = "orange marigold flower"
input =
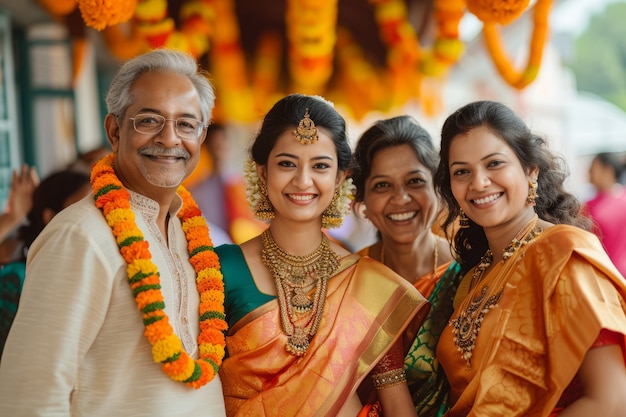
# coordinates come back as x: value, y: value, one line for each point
x: 145, y: 298
x: 207, y: 375
x: 139, y: 249
x: 99, y: 14
x: 213, y: 324
x: 212, y: 337
x: 180, y: 369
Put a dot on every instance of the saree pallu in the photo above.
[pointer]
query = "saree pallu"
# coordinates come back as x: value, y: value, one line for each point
x: 368, y: 307
x: 427, y: 381
x: 559, y: 293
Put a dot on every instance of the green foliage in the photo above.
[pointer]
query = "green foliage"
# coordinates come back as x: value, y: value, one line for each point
x: 600, y: 63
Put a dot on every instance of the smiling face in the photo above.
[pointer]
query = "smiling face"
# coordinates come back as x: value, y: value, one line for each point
x: 399, y: 196
x: 487, y: 179
x: 301, y: 179
x: 149, y: 163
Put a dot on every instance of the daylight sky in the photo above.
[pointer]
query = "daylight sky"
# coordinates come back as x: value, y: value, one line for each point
x: 573, y: 15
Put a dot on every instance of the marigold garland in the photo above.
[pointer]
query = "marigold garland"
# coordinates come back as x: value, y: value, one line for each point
x: 143, y: 276
x: 403, y: 49
x: 311, y: 32
x: 520, y: 79
x: 99, y: 14
x: 497, y: 11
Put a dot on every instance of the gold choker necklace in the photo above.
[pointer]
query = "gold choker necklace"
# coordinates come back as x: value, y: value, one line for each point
x: 473, y: 308
x: 295, y: 278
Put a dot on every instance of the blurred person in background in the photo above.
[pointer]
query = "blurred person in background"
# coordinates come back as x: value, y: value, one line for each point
x: 19, y: 203
x: 608, y: 208
x: 55, y: 192
x: 222, y: 194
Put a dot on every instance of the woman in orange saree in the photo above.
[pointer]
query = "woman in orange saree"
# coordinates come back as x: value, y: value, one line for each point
x: 540, y: 316
x: 308, y: 320
x: 395, y: 162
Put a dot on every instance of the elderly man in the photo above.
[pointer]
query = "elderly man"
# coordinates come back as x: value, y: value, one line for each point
x: 79, y: 346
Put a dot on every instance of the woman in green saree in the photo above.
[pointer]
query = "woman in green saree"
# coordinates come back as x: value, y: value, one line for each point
x: 308, y: 320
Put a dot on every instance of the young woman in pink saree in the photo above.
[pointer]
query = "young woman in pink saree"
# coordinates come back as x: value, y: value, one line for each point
x: 308, y: 320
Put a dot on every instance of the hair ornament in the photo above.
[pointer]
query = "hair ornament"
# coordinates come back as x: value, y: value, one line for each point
x: 306, y: 133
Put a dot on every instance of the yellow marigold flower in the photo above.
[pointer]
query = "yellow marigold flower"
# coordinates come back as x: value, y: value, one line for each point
x: 211, y: 350
x: 166, y: 348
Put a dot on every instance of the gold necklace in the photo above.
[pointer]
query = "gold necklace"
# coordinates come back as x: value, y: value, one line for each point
x: 435, y: 255
x: 466, y: 326
x: 295, y: 278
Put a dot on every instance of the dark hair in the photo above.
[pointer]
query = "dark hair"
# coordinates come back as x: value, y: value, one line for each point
x: 51, y: 193
x: 553, y: 203
x: 613, y: 161
x: 396, y: 131
x: 287, y: 113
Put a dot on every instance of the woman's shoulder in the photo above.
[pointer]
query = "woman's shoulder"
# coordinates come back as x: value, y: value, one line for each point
x: 564, y: 237
x: 230, y: 256
x: 562, y: 247
x: 228, y: 249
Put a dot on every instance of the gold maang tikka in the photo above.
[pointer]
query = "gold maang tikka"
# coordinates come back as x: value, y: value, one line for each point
x: 306, y: 133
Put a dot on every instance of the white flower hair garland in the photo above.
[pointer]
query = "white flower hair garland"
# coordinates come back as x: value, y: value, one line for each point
x: 253, y: 191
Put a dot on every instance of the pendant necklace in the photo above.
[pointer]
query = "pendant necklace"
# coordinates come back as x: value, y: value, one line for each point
x: 301, y: 284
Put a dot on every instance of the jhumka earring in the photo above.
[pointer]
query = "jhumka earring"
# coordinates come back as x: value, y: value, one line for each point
x: 463, y: 219
x: 264, y: 209
x: 332, y: 216
x: 306, y: 132
x: 532, y: 193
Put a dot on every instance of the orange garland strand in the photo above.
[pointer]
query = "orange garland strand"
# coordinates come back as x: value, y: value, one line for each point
x: 520, y: 79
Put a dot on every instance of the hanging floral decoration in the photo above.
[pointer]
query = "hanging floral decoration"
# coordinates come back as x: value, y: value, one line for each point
x: 58, y: 7
x: 322, y: 58
x: 362, y: 87
x: 445, y: 52
x: 497, y: 11
x: 311, y: 33
x: 99, y: 14
x: 403, y: 49
x: 229, y: 65
x: 515, y: 78
x: 266, y: 70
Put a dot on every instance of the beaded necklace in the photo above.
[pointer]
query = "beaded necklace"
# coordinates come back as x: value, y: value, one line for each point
x: 143, y: 276
x: 295, y: 277
x: 472, y: 310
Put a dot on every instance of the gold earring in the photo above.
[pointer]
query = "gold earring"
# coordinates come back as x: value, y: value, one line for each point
x: 463, y: 219
x: 332, y: 216
x: 532, y: 192
x: 264, y: 208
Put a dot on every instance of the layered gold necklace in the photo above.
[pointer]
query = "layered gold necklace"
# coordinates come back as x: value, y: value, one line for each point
x: 301, y: 283
x: 472, y: 310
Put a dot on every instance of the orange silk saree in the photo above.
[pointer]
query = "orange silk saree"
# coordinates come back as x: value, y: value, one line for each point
x: 559, y: 293
x: 367, y: 309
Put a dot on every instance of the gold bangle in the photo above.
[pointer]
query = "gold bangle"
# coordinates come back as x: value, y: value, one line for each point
x: 389, y: 378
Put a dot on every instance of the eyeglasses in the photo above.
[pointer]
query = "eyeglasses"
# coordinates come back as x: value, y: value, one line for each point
x: 151, y: 124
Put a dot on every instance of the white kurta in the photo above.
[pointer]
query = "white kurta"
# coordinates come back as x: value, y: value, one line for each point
x: 76, y: 347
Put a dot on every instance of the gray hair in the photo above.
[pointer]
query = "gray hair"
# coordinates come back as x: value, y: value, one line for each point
x: 118, y: 97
